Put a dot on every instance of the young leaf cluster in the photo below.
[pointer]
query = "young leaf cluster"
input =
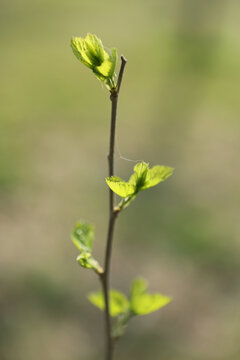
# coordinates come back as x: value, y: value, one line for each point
x: 140, y: 302
x: 82, y: 237
x: 142, y: 178
x: 102, y: 61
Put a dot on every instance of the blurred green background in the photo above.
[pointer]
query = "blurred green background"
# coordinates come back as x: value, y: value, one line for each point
x: 179, y: 106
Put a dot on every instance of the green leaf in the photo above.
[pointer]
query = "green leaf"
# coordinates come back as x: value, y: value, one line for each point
x: 82, y: 236
x: 156, y: 175
x: 141, y: 169
x: 107, y: 67
x: 118, y: 302
x: 78, y: 48
x: 91, y: 52
x: 139, y: 286
x: 120, y: 187
x: 94, y: 50
x: 146, y: 303
x: 138, y: 178
x: 87, y: 261
x: 142, y: 303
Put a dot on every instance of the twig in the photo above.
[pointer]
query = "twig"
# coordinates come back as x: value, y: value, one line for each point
x: 112, y: 215
x: 120, y: 76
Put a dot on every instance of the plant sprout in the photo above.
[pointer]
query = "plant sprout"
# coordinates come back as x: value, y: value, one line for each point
x: 102, y: 61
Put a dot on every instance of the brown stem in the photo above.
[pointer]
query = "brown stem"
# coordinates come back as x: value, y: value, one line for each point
x: 112, y: 216
x: 120, y: 76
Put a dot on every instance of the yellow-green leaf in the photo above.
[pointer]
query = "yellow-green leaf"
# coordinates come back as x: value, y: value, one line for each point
x: 141, y: 169
x: 118, y: 302
x: 146, y: 303
x: 94, y: 49
x: 139, y: 286
x: 107, y: 67
x: 82, y: 236
x: 156, y: 175
x: 91, y: 52
x: 87, y: 261
x: 139, y: 176
x: 78, y: 48
x: 120, y: 187
x: 142, y: 303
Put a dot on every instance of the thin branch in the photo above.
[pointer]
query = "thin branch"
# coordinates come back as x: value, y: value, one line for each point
x: 112, y: 215
x: 120, y: 76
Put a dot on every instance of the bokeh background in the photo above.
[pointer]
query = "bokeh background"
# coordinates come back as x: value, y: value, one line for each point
x: 179, y: 106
